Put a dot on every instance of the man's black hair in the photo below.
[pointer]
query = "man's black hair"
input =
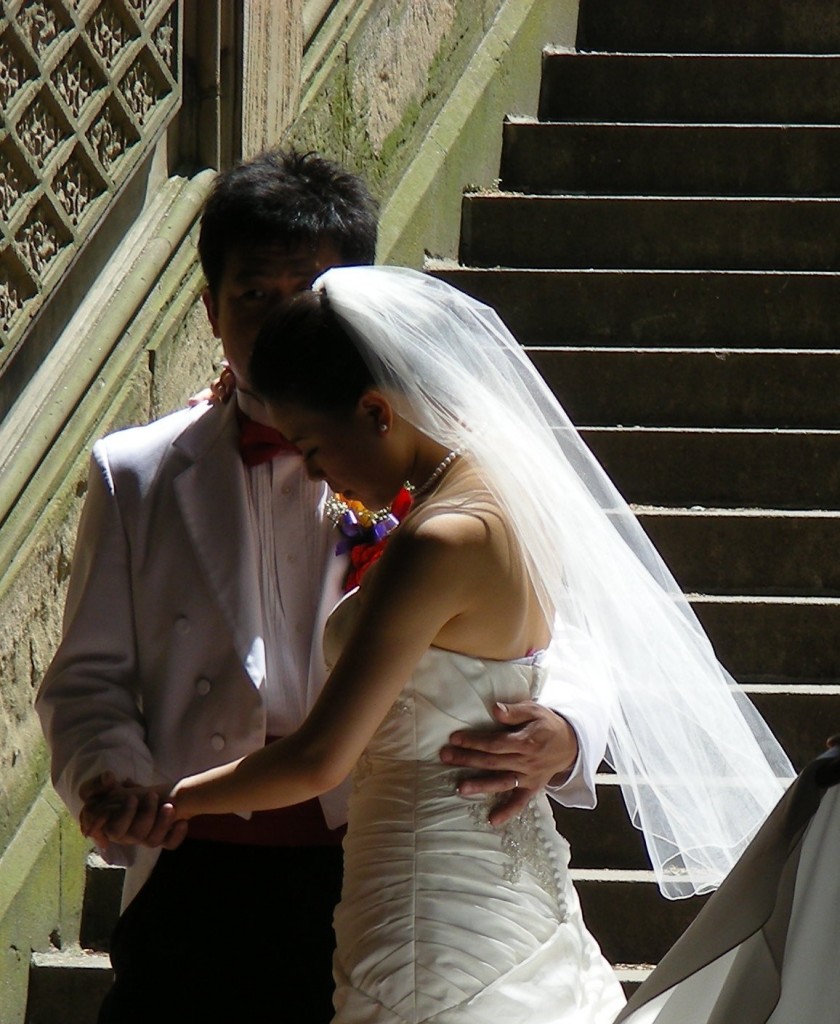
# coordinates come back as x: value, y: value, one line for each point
x: 289, y: 199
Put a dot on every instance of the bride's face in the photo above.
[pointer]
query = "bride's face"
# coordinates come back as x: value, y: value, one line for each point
x: 357, y: 453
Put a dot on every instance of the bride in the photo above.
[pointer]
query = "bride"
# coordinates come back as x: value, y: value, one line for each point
x: 516, y: 545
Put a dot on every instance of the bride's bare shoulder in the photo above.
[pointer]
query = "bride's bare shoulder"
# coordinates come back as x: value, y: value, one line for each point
x: 461, y: 527
x: 462, y: 511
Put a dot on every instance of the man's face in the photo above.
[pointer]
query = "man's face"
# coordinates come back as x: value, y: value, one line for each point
x: 254, y: 281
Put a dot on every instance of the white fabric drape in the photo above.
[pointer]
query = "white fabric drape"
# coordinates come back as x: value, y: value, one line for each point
x: 764, y: 948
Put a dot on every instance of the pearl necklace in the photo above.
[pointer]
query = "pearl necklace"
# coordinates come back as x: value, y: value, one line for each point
x: 436, y: 474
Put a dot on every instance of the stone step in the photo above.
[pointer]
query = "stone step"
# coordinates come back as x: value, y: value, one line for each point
x: 632, y: 975
x: 802, y: 717
x: 729, y: 309
x: 696, y: 89
x: 694, y: 387
x: 550, y: 232
x: 671, y: 159
x: 602, y: 837
x: 630, y: 918
x: 710, y: 26
x: 775, y: 640
x: 101, y: 904
x: 67, y: 986
x: 76, y: 981
x: 764, y: 553
x: 725, y: 468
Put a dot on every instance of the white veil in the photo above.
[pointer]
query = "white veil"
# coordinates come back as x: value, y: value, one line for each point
x: 699, y: 768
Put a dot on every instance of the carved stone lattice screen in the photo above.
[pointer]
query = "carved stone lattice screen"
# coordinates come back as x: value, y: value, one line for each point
x: 86, y: 88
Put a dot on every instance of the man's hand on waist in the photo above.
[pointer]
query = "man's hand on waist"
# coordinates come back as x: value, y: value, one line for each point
x: 536, y: 748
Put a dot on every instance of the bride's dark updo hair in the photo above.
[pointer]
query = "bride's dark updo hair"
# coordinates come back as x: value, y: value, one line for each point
x: 302, y: 354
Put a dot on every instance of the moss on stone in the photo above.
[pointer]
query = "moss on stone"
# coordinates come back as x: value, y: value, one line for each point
x: 336, y: 120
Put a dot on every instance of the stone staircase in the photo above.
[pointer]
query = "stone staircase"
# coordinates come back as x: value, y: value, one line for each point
x: 67, y: 985
x: 664, y: 242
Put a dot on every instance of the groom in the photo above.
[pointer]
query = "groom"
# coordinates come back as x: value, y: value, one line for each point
x: 203, y: 573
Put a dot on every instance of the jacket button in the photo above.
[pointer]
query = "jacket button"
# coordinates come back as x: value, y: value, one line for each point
x: 217, y: 741
x: 182, y: 625
x: 202, y: 687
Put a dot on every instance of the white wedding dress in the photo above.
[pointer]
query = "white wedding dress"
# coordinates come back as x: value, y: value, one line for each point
x: 443, y: 918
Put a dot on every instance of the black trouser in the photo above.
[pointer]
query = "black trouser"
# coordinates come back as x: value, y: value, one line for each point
x: 222, y: 932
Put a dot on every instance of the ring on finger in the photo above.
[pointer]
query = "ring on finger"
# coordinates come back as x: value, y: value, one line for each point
x: 516, y: 782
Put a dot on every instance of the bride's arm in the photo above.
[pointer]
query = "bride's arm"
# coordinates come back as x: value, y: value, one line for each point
x: 421, y: 583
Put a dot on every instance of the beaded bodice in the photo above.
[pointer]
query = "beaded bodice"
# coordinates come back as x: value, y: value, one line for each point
x: 450, y: 691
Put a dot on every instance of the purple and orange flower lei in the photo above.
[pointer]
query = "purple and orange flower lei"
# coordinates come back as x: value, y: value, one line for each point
x: 364, y: 533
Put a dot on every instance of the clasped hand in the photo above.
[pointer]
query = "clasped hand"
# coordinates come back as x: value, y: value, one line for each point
x: 132, y: 815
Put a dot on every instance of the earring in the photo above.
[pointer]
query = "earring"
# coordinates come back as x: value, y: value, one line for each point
x: 383, y: 427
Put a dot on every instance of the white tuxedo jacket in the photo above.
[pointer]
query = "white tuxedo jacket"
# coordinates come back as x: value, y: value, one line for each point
x: 161, y: 669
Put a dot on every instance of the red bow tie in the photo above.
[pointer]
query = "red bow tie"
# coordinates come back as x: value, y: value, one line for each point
x: 259, y: 443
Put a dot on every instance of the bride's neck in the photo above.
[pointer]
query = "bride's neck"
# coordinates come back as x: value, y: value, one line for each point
x: 430, y: 464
